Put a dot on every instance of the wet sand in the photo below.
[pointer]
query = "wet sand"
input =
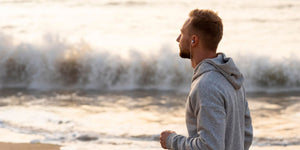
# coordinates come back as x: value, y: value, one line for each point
x: 276, y: 122
x: 63, y: 118
x: 27, y: 146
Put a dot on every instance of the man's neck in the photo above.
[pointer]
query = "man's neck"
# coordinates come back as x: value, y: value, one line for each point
x: 201, y: 55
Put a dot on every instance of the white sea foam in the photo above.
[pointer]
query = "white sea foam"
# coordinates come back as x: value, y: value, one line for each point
x: 58, y: 64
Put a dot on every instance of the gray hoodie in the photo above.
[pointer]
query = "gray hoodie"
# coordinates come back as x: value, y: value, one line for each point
x: 217, y: 113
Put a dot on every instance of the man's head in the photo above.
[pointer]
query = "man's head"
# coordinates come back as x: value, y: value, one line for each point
x: 203, y: 28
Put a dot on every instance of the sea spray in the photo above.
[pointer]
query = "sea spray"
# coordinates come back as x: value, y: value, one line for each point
x: 266, y: 74
x: 58, y: 64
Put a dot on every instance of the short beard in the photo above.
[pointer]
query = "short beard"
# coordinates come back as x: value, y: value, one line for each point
x: 186, y: 54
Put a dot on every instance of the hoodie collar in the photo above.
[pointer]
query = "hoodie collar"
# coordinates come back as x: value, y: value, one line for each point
x: 222, y: 64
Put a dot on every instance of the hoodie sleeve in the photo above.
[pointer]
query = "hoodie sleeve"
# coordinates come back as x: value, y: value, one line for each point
x: 207, y: 106
x: 248, y: 128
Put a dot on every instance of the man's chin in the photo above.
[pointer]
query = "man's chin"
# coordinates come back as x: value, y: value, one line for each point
x: 185, y: 55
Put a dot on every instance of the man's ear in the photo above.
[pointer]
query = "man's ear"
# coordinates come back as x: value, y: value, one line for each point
x: 194, y: 41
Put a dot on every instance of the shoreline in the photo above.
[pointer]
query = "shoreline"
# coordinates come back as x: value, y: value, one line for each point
x: 275, y: 120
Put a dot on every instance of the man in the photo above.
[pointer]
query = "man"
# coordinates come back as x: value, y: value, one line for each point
x: 217, y: 113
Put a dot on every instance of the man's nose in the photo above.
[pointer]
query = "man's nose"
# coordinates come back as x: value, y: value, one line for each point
x: 178, y: 38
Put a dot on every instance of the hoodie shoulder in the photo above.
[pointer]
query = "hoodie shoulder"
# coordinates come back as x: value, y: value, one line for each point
x: 223, y: 65
x: 207, y: 91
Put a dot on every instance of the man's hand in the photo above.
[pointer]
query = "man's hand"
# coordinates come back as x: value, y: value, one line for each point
x: 163, y: 138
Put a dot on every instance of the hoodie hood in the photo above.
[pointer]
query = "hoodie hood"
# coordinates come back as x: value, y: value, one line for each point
x: 222, y: 64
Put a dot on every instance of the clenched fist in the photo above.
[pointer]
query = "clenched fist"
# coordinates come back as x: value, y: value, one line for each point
x: 163, y: 138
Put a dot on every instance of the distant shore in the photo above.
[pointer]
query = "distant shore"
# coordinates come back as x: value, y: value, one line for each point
x: 28, y: 146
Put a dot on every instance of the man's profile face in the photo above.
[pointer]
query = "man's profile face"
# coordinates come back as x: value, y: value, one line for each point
x: 184, y: 41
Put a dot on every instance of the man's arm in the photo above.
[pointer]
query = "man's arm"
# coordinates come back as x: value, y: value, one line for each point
x: 248, y: 128
x: 211, y: 122
x: 211, y: 133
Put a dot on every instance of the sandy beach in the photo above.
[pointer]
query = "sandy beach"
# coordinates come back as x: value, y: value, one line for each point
x: 27, y: 146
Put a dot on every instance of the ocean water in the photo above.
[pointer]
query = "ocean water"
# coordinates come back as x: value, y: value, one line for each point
x: 84, y: 120
x: 106, y: 74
